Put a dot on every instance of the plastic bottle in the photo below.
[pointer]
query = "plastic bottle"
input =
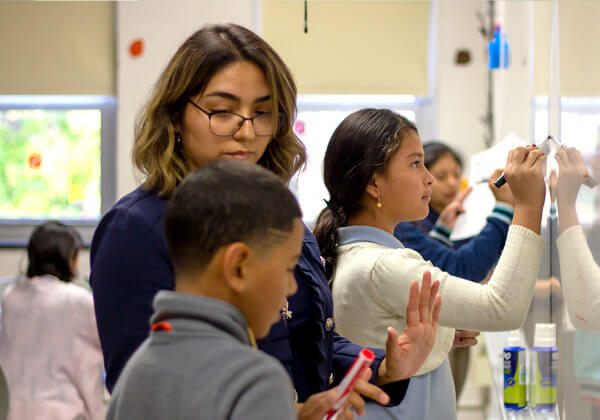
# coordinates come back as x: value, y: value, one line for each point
x: 543, y: 368
x: 498, y: 49
x: 515, y: 373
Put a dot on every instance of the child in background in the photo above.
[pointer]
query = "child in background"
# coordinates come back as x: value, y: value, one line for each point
x: 376, y: 178
x: 49, y: 345
x: 472, y: 258
x: 234, y: 233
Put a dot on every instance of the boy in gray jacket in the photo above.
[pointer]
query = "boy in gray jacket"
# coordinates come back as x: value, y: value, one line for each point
x: 234, y: 235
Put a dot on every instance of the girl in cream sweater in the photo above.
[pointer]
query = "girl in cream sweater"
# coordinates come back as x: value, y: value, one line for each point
x: 579, y: 272
x: 375, y: 175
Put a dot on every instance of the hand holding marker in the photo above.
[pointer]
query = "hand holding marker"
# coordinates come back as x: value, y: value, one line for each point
x: 589, y: 181
x: 360, y: 364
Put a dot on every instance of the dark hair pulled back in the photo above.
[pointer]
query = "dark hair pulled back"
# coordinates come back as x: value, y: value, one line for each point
x: 360, y: 146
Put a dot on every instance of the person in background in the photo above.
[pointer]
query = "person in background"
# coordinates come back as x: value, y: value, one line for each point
x: 472, y: 258
x: 49, y: 346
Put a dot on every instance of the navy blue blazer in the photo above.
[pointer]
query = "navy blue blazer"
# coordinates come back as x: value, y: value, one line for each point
x: 130, y: 264
x: 470, y: 259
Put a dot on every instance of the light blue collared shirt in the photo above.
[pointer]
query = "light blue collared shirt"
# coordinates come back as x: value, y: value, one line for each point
x: 353, y: 234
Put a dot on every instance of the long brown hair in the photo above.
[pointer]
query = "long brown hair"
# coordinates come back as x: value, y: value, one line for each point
x: 360, y: 146
x: 156, y: 152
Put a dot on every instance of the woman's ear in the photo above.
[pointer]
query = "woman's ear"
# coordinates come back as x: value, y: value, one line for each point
x: 372, y: 188
x: 235, y: 266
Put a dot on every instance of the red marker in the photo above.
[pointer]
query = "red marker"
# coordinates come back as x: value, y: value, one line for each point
x: 360, y: 364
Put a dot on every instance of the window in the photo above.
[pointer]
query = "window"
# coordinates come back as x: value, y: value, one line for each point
x: 56, y: 162
x: 318, y: 116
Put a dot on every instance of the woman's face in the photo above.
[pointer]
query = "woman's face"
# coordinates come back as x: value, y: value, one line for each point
x: 405, y: 187
x: 241, y: 88
x: 448, y: 176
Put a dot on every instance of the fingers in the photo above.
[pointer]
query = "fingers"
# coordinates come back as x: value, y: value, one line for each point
x: 347, y: 413
x: 562, y: 158
x: 317, y: 405
x: 519, y: 155
x: 463, y: 194
x: 366, y: 389
x: 424, y: 297
x: 413, y: 316
x: 355, y: 401
x: 534, y: 156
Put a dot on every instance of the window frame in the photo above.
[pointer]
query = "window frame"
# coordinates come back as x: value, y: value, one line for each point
x: 15, y: 233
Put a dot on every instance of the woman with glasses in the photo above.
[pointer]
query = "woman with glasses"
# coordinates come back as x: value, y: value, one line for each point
x: 224, y: 94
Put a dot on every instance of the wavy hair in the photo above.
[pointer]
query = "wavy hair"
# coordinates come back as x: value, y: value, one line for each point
x: 156, y: 152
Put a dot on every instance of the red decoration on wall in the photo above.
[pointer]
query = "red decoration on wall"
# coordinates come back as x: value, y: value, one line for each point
x: 299, y: 127
x: 34, y: 160
x: 136, y: 48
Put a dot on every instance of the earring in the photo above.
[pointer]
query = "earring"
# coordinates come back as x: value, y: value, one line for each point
x: 177, y: 138
x: 379, y: 203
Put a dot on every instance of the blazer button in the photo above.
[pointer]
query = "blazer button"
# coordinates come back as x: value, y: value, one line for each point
x: 329, y: 324
x: 331, y: 379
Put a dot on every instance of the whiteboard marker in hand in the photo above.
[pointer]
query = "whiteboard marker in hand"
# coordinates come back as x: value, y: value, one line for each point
x: 360, y: 364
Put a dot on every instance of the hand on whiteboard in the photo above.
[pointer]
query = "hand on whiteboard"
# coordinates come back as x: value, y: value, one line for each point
x: 571, y: 175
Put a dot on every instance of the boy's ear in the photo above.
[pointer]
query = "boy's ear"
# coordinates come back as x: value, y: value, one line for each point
x: 235, y: 266
x: 372, y: 187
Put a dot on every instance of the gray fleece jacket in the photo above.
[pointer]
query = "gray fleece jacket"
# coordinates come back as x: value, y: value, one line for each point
x: 203, y: 368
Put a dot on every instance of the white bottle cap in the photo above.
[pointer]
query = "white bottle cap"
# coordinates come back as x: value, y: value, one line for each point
x: 514, y: 338
x: 545, y: 335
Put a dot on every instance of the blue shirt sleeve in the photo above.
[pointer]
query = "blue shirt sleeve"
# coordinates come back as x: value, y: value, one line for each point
x: 129, y: 265
x: 471, y: 261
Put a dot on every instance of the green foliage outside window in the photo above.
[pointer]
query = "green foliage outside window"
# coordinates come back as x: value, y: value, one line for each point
x: 49, y: 164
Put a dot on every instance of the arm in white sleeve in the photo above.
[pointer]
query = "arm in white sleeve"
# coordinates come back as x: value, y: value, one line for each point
x: 500, y: 305
x: 580, y: 276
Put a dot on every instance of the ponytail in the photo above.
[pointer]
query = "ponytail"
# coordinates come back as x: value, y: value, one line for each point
x: 360, y: 146
x: 329, y: 221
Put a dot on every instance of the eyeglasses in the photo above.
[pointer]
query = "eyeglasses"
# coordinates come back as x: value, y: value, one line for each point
x: 225, y: 123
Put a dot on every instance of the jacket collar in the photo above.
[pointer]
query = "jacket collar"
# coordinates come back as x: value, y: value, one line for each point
x: 180, y: 308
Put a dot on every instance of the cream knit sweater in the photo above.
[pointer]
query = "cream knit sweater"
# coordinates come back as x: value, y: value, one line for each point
x: 371, y: 284
x: 580, y: 279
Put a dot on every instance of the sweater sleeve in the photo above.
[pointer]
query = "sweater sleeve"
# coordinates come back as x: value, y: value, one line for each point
x: 580, y: 277
x: 129, y: 265
x: 502, y: 304
x: 471, y: 261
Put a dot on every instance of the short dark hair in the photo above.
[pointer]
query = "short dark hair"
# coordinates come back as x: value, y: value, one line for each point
x: 50, y: 248
x: 435, y: 150
x: 225, y: 202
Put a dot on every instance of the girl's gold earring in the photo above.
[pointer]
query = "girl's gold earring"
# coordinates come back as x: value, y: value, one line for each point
x: 379, y: 204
